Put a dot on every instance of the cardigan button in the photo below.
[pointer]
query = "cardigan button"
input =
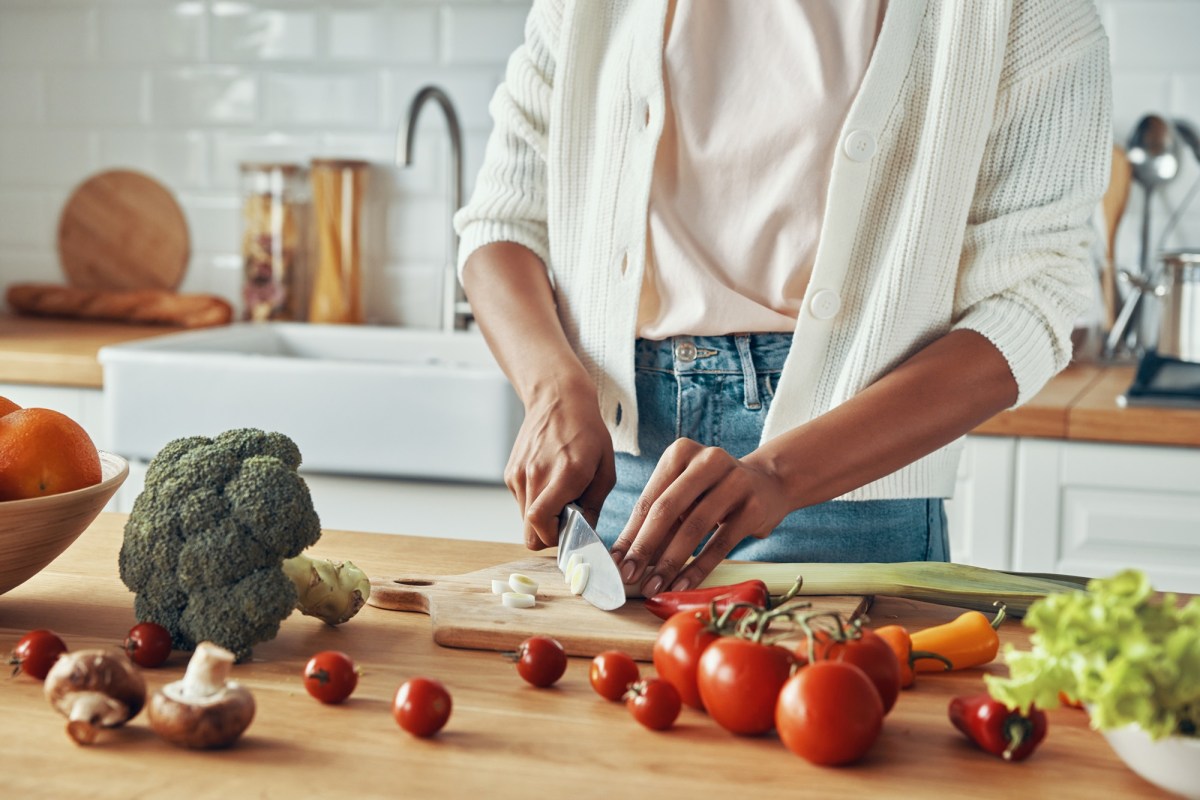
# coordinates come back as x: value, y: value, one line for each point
x: 643, y: 114
x: 859, y: 145
x: 825, y: 304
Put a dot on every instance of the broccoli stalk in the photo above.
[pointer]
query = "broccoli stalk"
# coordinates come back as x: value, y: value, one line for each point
x: 208, y: 539
x: 330, y: 590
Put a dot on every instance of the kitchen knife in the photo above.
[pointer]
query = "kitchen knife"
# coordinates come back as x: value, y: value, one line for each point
x: 604, y: 588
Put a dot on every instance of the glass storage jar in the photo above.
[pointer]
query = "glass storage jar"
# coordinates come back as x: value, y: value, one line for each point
x: 338, y: 192
x: 274, y: 204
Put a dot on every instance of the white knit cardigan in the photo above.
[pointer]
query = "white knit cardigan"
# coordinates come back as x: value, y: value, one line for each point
x: 967, y: 167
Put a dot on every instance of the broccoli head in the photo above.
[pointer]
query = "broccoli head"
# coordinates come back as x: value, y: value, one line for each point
x: 213, y: 547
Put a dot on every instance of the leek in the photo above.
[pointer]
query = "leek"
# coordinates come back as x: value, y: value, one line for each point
x: 959, y: 585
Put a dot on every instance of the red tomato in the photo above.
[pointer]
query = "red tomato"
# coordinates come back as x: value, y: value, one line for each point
x: 829, y: 713
x: 612, y: 672
x: 36, y: 653
x: 739, y: 682
x: 148, y: 644
x: 677, y: 650
x: 541, y: 660
x: 330, y: 676
x: 422, y: 706
x: 870, y: 653
x: 654, y: 703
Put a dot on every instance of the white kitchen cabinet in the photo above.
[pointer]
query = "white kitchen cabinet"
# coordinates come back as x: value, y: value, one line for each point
x: 85, y: 406
x: 1082, y: 508
x: 980, y: 514
x: 480, y: 512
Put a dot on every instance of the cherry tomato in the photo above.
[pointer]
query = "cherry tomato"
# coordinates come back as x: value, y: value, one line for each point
x: 654, y: 703
x: 829, y: 713
x: 870, y: 653
x: 422, y: 706
x: 36, y: 653
x: 148, y: 644
x: 330, y: 676
x: 677, y: 649
x: 739, y: 682
x: 612, y: 672
x: 541, y: 660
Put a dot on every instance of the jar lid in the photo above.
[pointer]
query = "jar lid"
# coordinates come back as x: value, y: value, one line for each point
x: 341, y: 163
x: 270, y: 166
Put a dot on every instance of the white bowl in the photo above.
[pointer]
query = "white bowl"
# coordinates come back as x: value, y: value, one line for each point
x: 1172, y: 763
x: 33, y: 532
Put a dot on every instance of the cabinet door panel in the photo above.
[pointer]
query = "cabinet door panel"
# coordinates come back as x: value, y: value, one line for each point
x: 1105, y: 529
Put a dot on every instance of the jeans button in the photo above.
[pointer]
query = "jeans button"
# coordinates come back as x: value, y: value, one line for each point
x: 685, y: 351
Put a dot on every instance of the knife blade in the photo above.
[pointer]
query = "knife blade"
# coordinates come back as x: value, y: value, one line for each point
x: 604, y: 588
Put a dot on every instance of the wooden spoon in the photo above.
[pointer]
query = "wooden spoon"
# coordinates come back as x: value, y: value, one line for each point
x: 1113, y: 206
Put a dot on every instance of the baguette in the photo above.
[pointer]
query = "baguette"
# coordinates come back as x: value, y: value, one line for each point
x: 144, y: 306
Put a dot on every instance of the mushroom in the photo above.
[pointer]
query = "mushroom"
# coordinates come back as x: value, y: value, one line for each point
x: 203, y: 710
x: 95, y: 689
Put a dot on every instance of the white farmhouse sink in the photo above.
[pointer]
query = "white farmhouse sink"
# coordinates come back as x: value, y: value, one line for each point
x: 356, y: 399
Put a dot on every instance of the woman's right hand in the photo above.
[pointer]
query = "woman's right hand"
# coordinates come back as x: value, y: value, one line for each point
x: 563, y: 454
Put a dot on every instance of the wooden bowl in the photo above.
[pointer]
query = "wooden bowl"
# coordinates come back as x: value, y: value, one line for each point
x: 35, y: 531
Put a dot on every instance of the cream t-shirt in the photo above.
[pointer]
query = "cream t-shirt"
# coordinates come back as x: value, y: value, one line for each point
x: 756, y: 94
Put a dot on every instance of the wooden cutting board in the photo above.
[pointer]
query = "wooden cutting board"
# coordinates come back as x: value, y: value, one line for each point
x: 465, y: 613
x: 122, y: 229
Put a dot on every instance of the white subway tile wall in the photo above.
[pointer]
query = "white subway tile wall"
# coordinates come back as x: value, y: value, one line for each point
x: 185, y: 90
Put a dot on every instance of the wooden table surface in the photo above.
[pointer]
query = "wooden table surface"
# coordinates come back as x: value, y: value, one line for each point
x: 504, y: 738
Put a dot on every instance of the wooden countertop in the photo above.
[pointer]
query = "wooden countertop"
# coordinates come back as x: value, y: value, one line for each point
x: 504, y: 738
x: 61, y: 352
x: 1079, y: 404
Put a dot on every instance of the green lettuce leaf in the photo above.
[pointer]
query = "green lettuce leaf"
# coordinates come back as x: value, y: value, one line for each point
x: 1130, y: 657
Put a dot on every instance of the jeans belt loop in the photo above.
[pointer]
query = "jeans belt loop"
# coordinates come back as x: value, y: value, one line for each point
x: 749, y: 376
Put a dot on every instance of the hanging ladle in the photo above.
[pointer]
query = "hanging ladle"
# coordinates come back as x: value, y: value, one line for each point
x: 1154, y: 153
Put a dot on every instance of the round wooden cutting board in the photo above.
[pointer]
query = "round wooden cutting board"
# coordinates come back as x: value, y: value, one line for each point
x: 122, y: 229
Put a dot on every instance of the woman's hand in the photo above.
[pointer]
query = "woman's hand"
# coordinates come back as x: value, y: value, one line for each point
x: 563, y: 453
x: 693, y: 491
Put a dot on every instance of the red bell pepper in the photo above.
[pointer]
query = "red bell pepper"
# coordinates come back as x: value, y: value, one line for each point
x: 997, y: 729
x: 665, y: 604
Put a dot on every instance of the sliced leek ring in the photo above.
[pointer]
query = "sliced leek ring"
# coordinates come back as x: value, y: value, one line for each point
x: 517, y: 600
x: 579, y: 577
x: 499, y: 587
x: 572, y: 562
x: 522, y: 584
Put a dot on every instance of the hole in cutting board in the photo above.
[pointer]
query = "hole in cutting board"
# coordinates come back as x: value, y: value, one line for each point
x: 412, y: 582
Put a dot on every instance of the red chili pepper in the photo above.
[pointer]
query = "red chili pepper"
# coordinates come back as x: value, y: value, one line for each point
x: 667, y: 603
x: 997, y: 729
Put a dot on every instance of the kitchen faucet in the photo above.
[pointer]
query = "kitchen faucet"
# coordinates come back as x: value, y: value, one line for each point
x: 456, y: 312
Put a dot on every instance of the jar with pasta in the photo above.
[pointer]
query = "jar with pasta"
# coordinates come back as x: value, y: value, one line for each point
x: 338, y: 189
x: 274, y: 205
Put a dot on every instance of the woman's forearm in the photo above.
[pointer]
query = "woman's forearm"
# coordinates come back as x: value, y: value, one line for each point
x: 514, y: 306
x: 936, y: 396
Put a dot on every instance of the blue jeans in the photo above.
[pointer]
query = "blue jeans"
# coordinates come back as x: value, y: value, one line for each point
x: 716, y: 390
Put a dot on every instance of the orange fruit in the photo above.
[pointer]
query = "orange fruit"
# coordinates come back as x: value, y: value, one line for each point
x: 7, y: 405
x: 44, y: 452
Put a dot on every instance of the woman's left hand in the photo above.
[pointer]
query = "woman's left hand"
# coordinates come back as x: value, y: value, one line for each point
x: 693, y: 491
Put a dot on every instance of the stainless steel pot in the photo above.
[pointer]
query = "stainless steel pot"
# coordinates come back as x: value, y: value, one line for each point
x: 1179, y: 293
